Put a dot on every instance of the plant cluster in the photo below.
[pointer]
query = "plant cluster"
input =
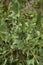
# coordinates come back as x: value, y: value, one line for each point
x: 21, y: 32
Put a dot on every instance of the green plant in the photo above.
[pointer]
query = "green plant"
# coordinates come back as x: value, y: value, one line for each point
x: 21, y: 34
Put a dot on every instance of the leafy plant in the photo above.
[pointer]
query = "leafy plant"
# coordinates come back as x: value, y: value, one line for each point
x: 21, y: 33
